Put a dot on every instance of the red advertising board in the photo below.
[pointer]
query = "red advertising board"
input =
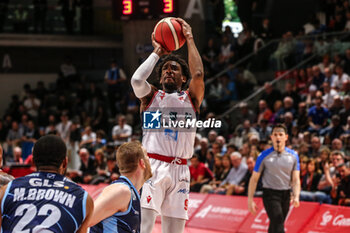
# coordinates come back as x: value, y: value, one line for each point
x: 220, y: 213
x: 94, y: 190
x: 329, y: 218
x: 296, y: 219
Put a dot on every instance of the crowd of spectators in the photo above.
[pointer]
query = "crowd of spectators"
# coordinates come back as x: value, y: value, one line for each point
x: 314, y: 105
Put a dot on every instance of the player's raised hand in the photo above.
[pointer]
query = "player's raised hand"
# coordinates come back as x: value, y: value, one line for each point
x: 186, y: 28
x: 158, y: 49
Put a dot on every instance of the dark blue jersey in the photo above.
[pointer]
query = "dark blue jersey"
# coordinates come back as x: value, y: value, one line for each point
x: 121, y: 222
x: 43, y: 200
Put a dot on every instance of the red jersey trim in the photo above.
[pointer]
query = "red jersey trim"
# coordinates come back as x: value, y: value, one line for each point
x: 191, y: 101
x: 149, y: 104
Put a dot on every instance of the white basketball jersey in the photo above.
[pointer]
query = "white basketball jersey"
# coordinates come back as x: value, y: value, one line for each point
x: 171, y: 140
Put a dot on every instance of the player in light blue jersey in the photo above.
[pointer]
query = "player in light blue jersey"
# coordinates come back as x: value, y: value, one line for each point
x: 117, y: 209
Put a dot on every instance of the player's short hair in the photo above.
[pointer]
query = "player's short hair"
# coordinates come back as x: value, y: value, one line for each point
x: 49, y: 150
x: 280, y: 126
x: 184, y: 67
x: 128, y: 156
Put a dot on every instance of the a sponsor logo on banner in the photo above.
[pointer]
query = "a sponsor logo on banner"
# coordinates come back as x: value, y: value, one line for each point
x: 339, y: 220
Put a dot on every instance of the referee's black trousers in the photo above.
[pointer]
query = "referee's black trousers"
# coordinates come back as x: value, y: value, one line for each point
x: 276, y: 203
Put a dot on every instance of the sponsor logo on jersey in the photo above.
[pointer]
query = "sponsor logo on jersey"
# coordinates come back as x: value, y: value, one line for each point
x: 149, y: 198
x: 186, y: 204
x: 184, y: 191
x: 152, y: 120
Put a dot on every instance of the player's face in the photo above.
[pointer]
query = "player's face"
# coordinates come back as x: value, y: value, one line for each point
x: 279, y: 138
x: 172, y: 77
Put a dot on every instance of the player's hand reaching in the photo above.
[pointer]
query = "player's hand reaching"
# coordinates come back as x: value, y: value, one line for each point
x: 158, y: 49
x: 252, y: 207
x: 186, y: 29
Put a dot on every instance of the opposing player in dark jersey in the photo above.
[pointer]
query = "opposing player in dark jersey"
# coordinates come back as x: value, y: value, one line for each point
x: 45, y: 201
x: 4, y: 177
x: 117, y: 209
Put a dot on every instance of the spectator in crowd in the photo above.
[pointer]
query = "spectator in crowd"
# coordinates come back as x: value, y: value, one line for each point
x: 112, y: 169
x: 209, y: 55
x: 122, y: 132
x: 226, y: 52
x: 264, y: 31
x: 88, y: 137
x: 334, y: 130
x: 200, y: 174
x: 271, y: 95
x: 309, y: 191
x: 315, y: 147
x: 17, y: 155
x: 242, y: 187
x: 329, y: 94
x: 32, y: 105
x: 329, y: 76
x: 330, y: 171
x: 236, y: 174
x: 264, y: 113
x: 87, y: 168
x: 337, y: 145
x: 13, y: 137
x: 245, y: 113
x: 318, y: 77
x: 202, y: 151
x: 219, y: 174
x: 63, y: 127
x: 343, y: 188
x: 345, y: 111
x: 115, y: 77
x: 318, y: 116
x: 339, y: 78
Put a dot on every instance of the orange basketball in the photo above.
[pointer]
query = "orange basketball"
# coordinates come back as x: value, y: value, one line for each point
x: 168, y: 33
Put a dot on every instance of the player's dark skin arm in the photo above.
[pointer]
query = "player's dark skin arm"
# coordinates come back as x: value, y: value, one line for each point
x: 2, y: 192
x: 196, y: 87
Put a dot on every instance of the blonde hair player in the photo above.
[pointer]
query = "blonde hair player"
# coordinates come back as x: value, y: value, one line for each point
x: 167, y: 192
x: 117, y: 209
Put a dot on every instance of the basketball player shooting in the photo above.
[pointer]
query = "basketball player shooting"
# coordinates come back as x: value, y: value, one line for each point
x: 167, y: 192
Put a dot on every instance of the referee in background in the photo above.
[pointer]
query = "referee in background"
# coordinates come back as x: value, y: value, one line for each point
x: 279, y: 167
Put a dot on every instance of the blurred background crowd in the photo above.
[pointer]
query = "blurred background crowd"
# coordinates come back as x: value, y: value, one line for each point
x: 254, y: 79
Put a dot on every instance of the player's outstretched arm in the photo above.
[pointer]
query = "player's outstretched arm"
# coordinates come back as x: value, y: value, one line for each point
x: 114, y: 198
x: 196, y: 87
x: 2, y: 192
x: 89, y: 210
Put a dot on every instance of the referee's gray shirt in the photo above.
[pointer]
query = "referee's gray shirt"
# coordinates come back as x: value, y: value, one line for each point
x: 277, y: 168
